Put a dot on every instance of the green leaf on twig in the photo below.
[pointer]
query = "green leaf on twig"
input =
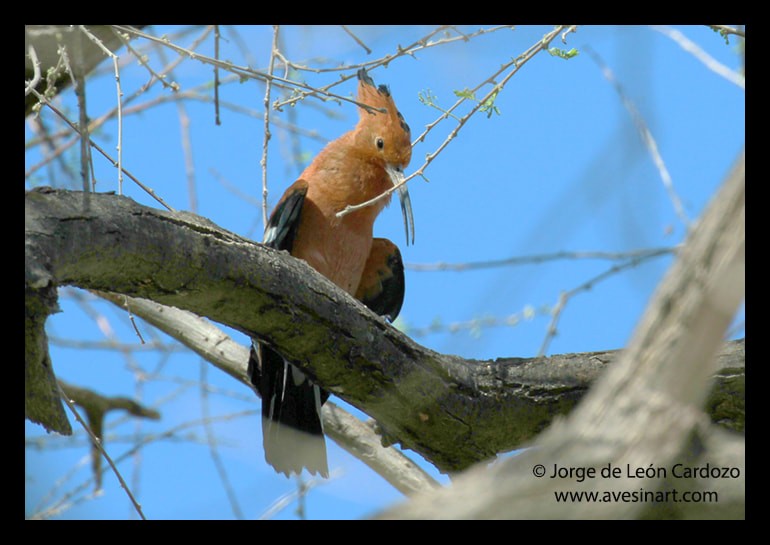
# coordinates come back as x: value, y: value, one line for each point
x: 561, y: 53
x: 488, y: 106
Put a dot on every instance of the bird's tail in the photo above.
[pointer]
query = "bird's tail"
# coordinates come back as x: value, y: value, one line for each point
x: 292, y: 431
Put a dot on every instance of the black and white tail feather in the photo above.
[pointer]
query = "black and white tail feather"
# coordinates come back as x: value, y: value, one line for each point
x: 292, y: 427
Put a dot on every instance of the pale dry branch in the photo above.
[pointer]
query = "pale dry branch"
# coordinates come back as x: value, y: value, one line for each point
x: 727, y: 30
x: 708, y: 61
x: 31, y: 84
x: 215, y: 346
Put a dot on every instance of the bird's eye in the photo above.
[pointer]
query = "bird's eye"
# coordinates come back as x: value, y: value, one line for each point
x: 380, y: 142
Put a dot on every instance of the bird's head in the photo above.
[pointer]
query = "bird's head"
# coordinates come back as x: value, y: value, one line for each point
x: 385, y: 134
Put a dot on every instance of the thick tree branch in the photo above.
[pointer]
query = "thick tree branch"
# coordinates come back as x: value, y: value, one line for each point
x: 452, y: 411
x: 41, y: 393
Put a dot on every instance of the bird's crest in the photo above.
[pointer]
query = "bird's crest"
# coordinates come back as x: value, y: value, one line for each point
x: 390, y: 122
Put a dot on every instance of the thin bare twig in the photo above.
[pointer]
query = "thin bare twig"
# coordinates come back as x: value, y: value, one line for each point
x: 111, y: 344
x: 145, y: 440
x: 189, y: 162
x: 285, y: 500
x: 98, y: 444
x: 68, y: 500
x: 131, y: 319
x: 646, y: 135
x: 244, y: 71
x: 357, y: 39
x: 565, y: 296
x: 212, y: 442
x: 217, y: 37
x: 142, y: 59
x: 51, y: 152
x: 114, y: 58
x: 186, y: 141
x: 267, y: 135
x: 475, y: 325
x: 154, y: 77
x: 78, y: 84
x: 537, y: 258
x: 411, y: 50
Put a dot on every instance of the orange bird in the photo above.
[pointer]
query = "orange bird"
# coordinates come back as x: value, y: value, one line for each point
x: 358, y: 166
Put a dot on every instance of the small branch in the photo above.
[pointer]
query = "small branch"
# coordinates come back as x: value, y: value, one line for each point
x: 266, y: 124
x: 357, y: 39
x: 410, y: 50
x: 538, y: 258
x: 696, y: 51
x: 131, y: 319
x: 192, y: 94
x: 119, y: 101
x: 31, y: 84
x: 187, y: 153
x: 47, y: 40
x: 211, y: 441
x: 564, y: 297
x: 98, y: 444
x: 282, y: 502
x: 78, y: 83
x: 217, y: 37
x: 724, y: 29
x: 475, y: 325
x: 94, y: 403
x: 142, y: 60
x: 647, y: 138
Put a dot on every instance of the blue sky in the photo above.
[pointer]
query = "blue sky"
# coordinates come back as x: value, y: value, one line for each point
x: 560, y: 167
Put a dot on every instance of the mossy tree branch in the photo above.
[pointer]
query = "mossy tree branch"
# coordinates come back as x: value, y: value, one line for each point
x: 454, y: 412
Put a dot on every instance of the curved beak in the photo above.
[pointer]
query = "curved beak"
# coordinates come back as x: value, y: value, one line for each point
x: 397, y: 176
